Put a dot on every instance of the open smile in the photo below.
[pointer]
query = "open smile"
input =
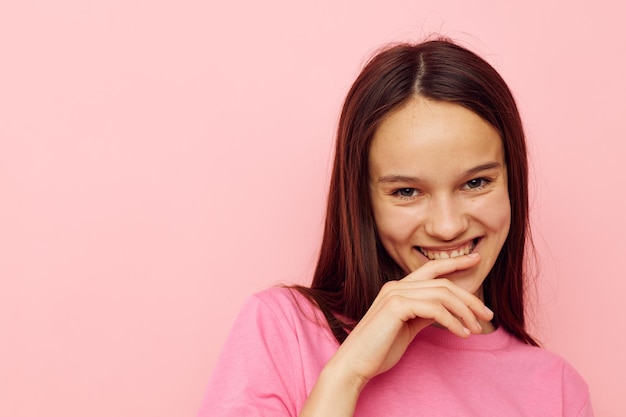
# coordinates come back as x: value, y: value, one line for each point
x: 433, y: 254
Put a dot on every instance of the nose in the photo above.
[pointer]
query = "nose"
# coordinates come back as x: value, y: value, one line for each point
x: 446, y: 218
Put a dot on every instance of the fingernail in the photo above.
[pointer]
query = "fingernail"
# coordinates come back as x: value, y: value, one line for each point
x: 478, y: 327
x: 466, y: 330
x: 472, y: 255
x: 488, y: 310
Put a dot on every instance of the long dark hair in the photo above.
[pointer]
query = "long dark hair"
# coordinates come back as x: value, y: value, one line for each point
x: 353, y: 265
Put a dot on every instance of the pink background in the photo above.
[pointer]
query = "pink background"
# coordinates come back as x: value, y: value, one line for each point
x: 162, y: 160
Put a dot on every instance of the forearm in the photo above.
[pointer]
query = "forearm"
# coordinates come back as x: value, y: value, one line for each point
x: 334, y: 394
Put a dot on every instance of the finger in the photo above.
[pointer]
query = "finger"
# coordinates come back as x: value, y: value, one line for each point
x: 441, y: 315
x: 446, y: 297
x: 440, y: 267
x: 414, y: 289
x: 475, y: 304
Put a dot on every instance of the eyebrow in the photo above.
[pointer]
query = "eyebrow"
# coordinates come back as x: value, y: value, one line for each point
x: 404, y: 178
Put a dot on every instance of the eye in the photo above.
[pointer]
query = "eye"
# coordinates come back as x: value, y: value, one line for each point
x: 406, y: 192
x: 477, y: 183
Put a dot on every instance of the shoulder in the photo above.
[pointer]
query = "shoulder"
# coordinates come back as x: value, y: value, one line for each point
x: 540, y: 355
x: 537, y: 356
x: 286, y: 310
x: 270, y: 359
x: 283, y: 301
x: 285, y: 297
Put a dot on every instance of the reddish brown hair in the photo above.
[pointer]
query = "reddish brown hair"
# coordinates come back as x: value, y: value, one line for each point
x: 353, y: 265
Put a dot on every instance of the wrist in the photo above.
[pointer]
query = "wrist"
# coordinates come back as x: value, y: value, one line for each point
x: 335, y: 393
x: 337, y: 375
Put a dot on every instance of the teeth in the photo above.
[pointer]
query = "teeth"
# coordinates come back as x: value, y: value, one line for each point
x: 434, y: 255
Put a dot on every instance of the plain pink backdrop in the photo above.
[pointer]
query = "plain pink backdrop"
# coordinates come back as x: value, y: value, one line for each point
x: 162, y: 160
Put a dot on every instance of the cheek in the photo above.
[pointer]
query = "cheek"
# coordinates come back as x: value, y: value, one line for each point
x: 497, y: 216
x: 395, y: 225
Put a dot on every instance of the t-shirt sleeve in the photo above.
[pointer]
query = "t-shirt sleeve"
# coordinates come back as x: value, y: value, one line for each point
x: 576, y: 398
x: 254, y: 375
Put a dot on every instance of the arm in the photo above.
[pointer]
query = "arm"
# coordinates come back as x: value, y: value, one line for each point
x: 254, y: 375
x: 401, y: 310
x: 576, y: 398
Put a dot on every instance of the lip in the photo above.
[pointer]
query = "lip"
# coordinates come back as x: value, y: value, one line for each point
x: 448, y: 251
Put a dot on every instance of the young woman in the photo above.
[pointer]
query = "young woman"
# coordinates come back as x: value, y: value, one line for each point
x: 417, y: 304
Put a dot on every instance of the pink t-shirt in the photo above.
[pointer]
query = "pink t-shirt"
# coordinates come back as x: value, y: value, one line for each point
x: 280, y: 343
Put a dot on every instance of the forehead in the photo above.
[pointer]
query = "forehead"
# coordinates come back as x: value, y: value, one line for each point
x: 433, y: 138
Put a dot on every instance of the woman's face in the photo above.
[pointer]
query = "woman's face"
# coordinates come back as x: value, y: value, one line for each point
x: 438, y: 185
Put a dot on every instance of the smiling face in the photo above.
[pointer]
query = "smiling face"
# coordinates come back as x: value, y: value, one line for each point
x: 438, y: 187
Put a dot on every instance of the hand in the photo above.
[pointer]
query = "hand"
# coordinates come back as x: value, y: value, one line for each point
x: 401, y: 310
